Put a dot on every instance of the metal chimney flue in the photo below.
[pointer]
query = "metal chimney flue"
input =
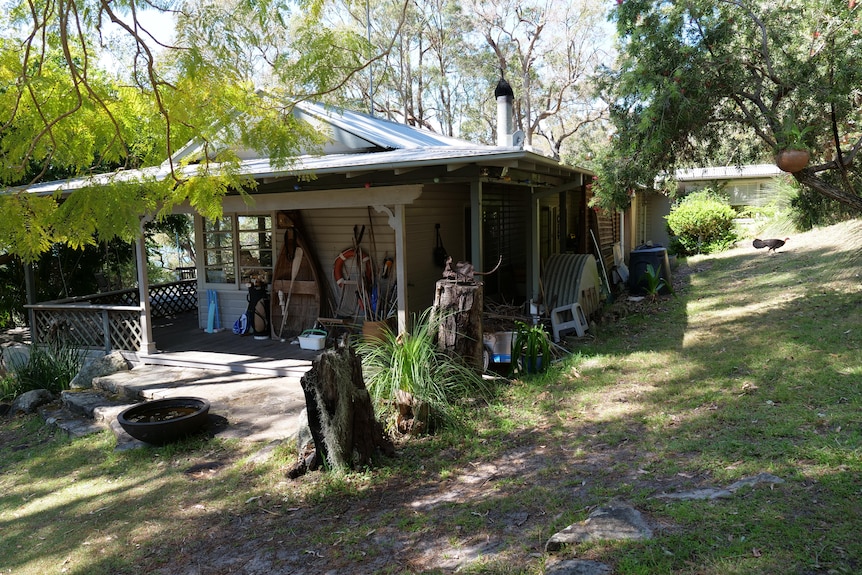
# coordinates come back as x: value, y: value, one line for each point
x: 505, y: 96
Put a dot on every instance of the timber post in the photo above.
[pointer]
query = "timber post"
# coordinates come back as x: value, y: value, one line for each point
x: 458, y: 308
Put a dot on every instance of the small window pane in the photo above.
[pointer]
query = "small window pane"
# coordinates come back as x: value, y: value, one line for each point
x: 220, y: 274
x: 254, y: 222
x: 219, y: 257
x: 220, y: 224
x: 218, y: 240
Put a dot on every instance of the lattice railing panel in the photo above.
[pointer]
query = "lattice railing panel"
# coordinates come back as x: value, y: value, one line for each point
x: 83, y: 327
x: 120, y: 297
x: 172, y: 298
x: 73, y: 327
x: 110, y: 320
x: 126, y: 330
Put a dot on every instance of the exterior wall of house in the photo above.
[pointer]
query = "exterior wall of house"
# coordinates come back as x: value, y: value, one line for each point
x: 646, y: 220
x: 658, y: 207
x: 739, y: 192
x: 444, y: 204
x: 329, y: 232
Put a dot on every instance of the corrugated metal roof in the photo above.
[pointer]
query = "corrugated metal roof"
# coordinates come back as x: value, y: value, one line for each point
x: 728, y: 172
x: 389, y: 145
x: 329, y: 164
x: 381, y: 132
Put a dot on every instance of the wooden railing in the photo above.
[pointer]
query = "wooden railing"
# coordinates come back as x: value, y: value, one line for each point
x: 109, y: 320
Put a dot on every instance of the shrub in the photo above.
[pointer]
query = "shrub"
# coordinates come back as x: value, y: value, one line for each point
x: 49, y: 367
x: 412, y: 362
x: 8, y: 387
x: 702, y: 223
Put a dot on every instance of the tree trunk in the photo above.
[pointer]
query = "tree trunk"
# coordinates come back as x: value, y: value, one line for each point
x: 458, y: 310
x: 808, y: 177
x: 341, y: 417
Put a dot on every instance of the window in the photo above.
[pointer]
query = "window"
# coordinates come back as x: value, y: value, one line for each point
x: 248, y: 236
x: 255, y: 248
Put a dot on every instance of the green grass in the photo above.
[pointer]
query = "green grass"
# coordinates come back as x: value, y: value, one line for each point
x: 753, y: 367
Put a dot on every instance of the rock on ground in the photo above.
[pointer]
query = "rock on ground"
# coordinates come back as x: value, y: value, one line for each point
x: 721, y: 493
x: 614, y: 521
x: 30, y: 401
x: 105, y: 365
x: 578, y: 567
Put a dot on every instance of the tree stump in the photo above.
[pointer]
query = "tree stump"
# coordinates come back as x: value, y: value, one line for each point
x: 458, y: 312
x: 341, y: 419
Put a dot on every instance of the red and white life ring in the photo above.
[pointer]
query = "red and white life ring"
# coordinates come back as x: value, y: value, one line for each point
x: 350, y: 254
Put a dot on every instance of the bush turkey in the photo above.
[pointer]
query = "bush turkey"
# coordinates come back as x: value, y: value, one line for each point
x: 771, y: 244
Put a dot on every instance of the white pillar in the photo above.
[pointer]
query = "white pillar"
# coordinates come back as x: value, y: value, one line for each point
x: 396, y: 222
x: 401, y: 266
x: 533, y: 256
x: 148, y: 346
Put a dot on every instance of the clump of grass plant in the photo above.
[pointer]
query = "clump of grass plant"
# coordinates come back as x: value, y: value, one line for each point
x: 654, y: 283
x: 50, y: 366
x: 411, y: 362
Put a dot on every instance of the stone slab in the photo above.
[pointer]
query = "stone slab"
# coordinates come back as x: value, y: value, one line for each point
x: 243, y: 406
x: 614, y: 521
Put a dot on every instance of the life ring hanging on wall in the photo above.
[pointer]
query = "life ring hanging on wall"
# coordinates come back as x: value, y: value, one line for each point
x: 350, y: 255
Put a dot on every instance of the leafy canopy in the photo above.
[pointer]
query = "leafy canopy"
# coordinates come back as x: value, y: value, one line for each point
x: 87, y: 88
x: 698, y: 80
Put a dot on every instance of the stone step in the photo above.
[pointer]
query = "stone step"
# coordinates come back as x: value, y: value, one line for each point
x: 83, y: 412
x: 94, y: 405
x: 129, y: 383
x: 143, y: 382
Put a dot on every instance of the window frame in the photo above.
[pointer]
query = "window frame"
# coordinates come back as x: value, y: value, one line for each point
x: 229, y: 250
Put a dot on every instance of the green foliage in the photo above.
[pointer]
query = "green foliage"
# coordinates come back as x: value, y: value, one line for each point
x: 412, y: 362
x: 531, y: 348
x: 696, y: 76
x: 774, y: 219
x: 8, y: 387
x: 50, y: 367
x: 653, y: 282
x: 810, y: 210
x: 791, y: 137
x: 63, y: 116
x: 702, y: 223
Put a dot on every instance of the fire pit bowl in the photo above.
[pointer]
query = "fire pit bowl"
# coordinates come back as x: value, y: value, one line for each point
x: 164, y: 420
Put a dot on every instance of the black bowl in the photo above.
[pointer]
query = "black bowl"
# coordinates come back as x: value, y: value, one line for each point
x: 165, y: 420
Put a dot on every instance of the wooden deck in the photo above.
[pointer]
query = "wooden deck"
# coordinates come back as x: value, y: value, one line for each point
x: 181, y: 343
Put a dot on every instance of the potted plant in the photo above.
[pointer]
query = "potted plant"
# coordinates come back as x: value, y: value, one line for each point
x: 793, y: 151
x: 530, y: 345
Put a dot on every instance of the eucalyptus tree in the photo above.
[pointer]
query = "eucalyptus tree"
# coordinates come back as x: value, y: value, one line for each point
x: 695, y: 75
x: 549, y: 52
x: 418, y: 48
x: 447, y: 56
x: 87, y: 86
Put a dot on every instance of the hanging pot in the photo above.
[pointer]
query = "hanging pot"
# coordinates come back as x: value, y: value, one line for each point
x: 792, y: 160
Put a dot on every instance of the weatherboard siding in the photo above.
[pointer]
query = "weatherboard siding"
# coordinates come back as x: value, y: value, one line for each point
x: 439, y: 204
